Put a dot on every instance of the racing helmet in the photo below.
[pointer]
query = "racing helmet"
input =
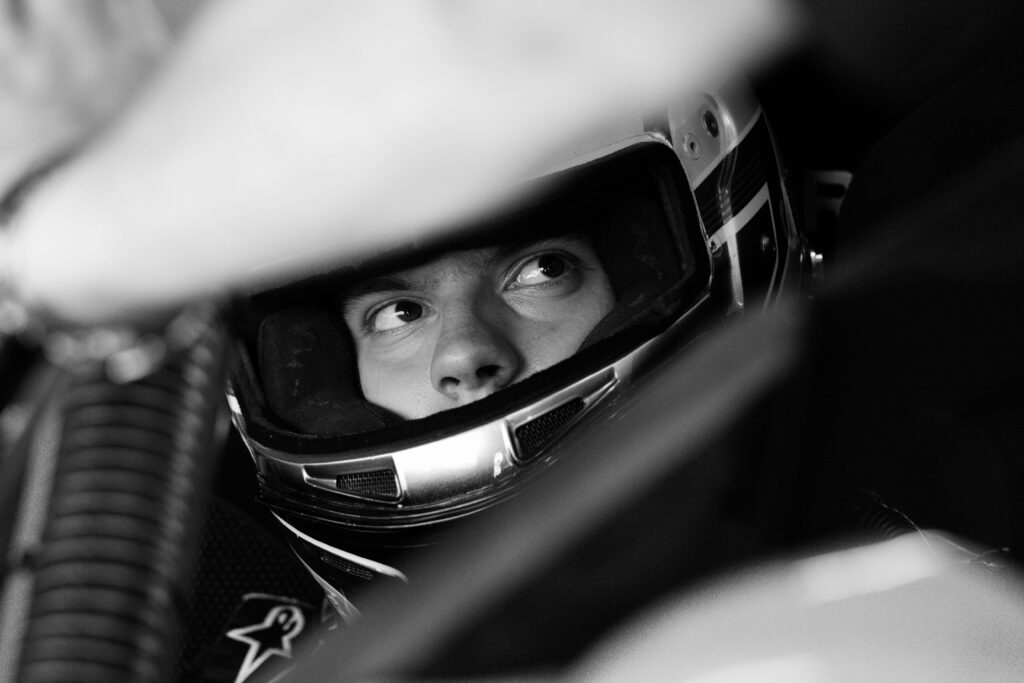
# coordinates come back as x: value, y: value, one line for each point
x: 690, y: 216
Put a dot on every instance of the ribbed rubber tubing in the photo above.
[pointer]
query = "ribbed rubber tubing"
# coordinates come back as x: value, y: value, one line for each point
x: 134, y: 467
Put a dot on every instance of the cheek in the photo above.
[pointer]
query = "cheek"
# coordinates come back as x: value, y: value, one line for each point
x: 561, y: 330
x: 398, y: 383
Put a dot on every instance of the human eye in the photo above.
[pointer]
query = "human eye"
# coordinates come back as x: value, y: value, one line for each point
x: 542, y: 270
x: 394, y: 315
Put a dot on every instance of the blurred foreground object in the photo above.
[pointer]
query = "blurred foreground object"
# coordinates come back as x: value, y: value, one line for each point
x: 67, y: 67
x: 282, y: 136
x: 910, y: 609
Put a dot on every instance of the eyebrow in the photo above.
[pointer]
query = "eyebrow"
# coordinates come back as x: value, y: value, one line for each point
x: 375, y: 285
x: 395, y: 283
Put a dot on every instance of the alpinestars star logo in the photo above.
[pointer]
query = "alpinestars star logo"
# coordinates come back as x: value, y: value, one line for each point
x: 273, y: 636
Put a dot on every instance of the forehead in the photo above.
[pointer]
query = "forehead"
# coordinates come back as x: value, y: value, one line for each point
x: 429, y: 275
x: 457, y: 263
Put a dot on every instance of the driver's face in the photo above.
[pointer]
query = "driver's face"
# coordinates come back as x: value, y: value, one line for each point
x: 459, y: 328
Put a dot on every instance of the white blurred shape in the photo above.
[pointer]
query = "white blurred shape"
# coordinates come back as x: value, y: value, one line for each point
x: 903, y: 610
x: 861, y: 571
x: 285, y: 136
x: 789, y: 669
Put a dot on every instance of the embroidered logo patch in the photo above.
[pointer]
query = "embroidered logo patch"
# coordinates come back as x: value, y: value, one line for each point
x: 264, y: 632
x: 272, y: 636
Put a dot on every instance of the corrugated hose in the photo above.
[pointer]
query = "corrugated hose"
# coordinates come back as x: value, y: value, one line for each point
x: 134, y: 467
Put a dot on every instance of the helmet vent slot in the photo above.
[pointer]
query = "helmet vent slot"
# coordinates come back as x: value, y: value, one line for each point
x: 380, y: 483
x: 343, y: 565
x: 533, y: 436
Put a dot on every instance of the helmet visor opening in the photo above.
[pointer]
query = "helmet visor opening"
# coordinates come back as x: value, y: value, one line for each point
x: 298, y: 382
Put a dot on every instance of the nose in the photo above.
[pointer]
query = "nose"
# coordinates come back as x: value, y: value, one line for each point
x: 473, y: 357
